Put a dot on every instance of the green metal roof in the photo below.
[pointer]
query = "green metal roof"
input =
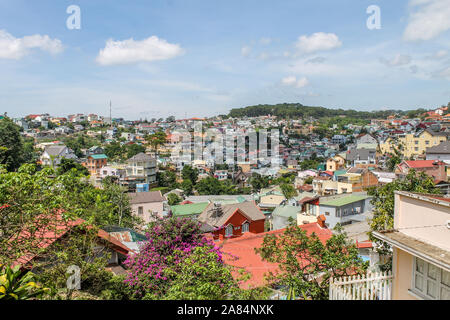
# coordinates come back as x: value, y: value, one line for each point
x: 99, y: 156
x: 339, y: 202
x: 339, y: 172
x: 286, y: 211
x: 188, y: 209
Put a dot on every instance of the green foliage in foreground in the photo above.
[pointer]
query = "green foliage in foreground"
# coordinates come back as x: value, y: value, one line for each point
x: 306, y: 264
x: 383, y: 202
x: 17, y: 285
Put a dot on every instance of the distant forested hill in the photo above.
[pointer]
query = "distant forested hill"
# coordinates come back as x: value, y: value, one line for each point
x: 296, y: 110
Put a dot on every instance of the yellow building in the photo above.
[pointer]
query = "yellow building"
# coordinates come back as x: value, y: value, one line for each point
x: 413, y: 144
x: 420, y: 243
x: 335, y: 163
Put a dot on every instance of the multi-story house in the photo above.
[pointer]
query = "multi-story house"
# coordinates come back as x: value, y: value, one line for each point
x: 434, y: 168
x: 420, y: 243
x: 141, y: 168
x: 335, y: 163
x: 339, y: 139
x: 359, y: 178
x: 95, y: 162
x: 233, y: 220
x: 440, y: 152
x: 147, y: 205
x: 361, y: 156
x: 221, y: 174
x: 414, y: 145
x: 366, y: 141
x: 53, y: 154
x: 95, y: 150
x: 343, y: 209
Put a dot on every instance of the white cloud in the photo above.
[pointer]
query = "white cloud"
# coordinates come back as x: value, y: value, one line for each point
x: 428, y: 19
x: 318, y: 41
x: 445, y: 73
x: 441, y: 54
x: 132, y: 51
x: 245, y: 51
x: 16, y: 48
x: 398, y: 60
x: 292, y: 81
x: 265, y: 41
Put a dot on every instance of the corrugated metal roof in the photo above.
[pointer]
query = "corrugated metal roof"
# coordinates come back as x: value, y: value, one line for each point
x: 188, y: 209
x: 343, y: 201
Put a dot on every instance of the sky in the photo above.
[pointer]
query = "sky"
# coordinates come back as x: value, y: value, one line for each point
x: 196, y: 58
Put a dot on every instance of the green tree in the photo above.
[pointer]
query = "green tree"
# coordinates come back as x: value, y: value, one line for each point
x: 395, y: 158
x: 258, y: 182
x: 201, y: 276
x: 173, y: 199
x: 69, y: 164
x: 79, y: 247
x: 213, y: 186
x: 383, y: 203
x: 306, y: 264
x: 157, y: 139
x: 134, y: 149
x: 288, y: 191
x: 309, y: 180
x: 167, y: 179
x: 170, y: 119
x: 187, y: 187
x: 189, y: 173
x: 28, y: 194
x: 12, y: 153
x: 114, y: 150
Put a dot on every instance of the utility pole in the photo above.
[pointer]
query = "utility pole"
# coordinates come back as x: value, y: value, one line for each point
x: 110, y: 117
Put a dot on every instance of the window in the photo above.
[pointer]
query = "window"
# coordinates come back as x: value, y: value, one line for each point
x: 416, y: 149
x: 430, y: 281
x: 229, y: 231
x: 140, y: 210
x: 327, y: 213
x: 427, y: 142
x: 245, y: 227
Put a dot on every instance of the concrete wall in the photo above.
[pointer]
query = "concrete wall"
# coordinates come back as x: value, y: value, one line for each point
x: 332, y: 220
x: 410, y: 212
x: 156, y: 207
x: 402, y: 265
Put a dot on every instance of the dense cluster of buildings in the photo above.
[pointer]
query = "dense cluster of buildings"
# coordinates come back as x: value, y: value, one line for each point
x: 331, y: 189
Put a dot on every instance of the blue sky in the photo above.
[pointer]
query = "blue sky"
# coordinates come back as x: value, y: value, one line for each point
x: 200, y: 58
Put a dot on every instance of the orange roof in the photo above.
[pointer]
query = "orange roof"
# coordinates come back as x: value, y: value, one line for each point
x: 364, y: 244
x: 240, y: 252
x: 49, y: 235
x: 421, y: 163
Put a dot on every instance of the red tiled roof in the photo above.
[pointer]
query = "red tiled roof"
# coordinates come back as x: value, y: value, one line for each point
x: 306, y: 187
x: 240, y: 252
x: 58, y: 230
x: 364, y: 244
x: 420, y: 163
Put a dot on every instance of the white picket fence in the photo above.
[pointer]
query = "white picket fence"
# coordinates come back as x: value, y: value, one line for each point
x: 371, y: 286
